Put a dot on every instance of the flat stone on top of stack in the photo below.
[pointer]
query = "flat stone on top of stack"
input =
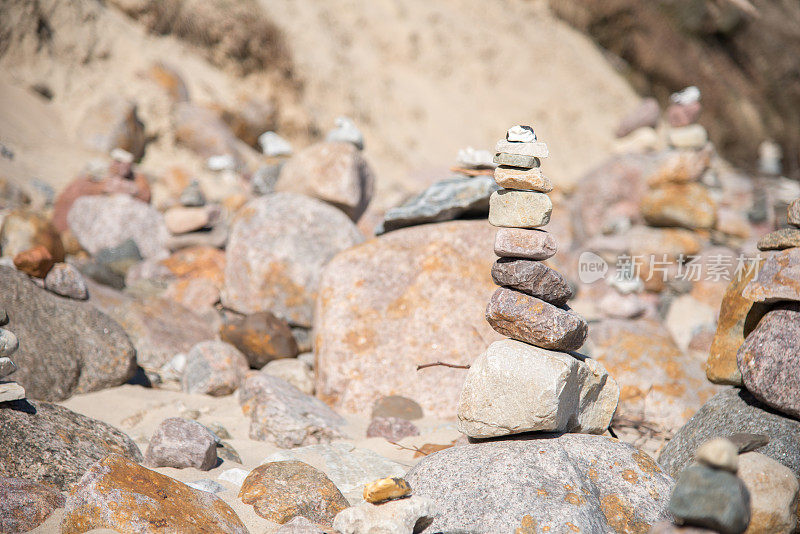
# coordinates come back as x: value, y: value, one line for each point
x: 531, y: 382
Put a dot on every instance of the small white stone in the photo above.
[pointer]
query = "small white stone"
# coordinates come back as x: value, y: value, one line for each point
x: 689, y: 95
x: 346, y: 131
x: 273, y: 144
x: 235, y: 476
x: 521, y: 134
x: 719, y: 453
x: 223, y: 162
x: 471, y: 158
x: 123, y: 156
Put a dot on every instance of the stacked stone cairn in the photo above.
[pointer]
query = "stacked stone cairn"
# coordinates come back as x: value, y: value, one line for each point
x: 682, y: 115
x: 9, y: 390
x: 532, y: 381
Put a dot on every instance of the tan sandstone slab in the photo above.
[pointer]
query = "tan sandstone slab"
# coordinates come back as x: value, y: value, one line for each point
x: 525, y: 179
x: 519, y: 209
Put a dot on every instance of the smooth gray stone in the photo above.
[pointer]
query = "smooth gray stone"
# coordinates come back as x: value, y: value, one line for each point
x: 517, y: 160
x: 711, y: 498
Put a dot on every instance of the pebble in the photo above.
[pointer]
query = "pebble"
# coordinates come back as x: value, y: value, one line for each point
x: 294, y: 371
x: 35, y: 262
x: 264, y: 179
x: 519, y: 209
x: 780, y: 239
x: 222, y: 162
x: 395, y: 516
x: 346, y: 131
x: 532, y: 278
x: 7, y: 367
x: 692, y: 136
x: 710, y: 498
x: 531, y: 320
x: 622, y: 306
x: 262, y: 337
x: 523, y: 243
x: 521, y: 134
x: 192, y: 196
x: 514, y: 387
x: 206, y: 484
x: 391, y: 428
x: 516, y: 160
x: 11, y: 391
x: 793, y: 213
x: 525, y: 179
x: 773, y: 489
x: 386, y: 489
x: 718, y: 453
x: 536, y: 150
x: 8, y: 342
x: 182, y: 443
x: 688, y: 95
x: 214, y: 368
x: 307, y: 358
x: 226, y: 451
x: 67, y: 281
x: 182, y: 220
x: 273, y: 145
x: 397, y: 406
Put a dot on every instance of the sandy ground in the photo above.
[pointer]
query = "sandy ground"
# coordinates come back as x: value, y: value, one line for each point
x: 138, y: 411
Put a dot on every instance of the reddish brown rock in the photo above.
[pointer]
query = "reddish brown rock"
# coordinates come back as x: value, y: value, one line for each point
x: 658, y: 383
x: 768, y: 359
x: 120, y: 495
x: 777, y: 279
x: 261, y: 337
x: 24, y: 230
x: 36, y: 262
x: 735, y: 314
x: 391, y: 428
x: 334, y: 172
x: 24, y: 505
x: 278, y: 248
x: 528, y: 319
x: 409, y: 297
x: 532, y: 278
x: 679, y: 115
x: 683, y: 205
x: 281, y: 491
x: 530, y: 244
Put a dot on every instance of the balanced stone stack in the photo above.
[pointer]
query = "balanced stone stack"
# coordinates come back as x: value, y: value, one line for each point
x: 682, y: 115
x: 9, y: 390
x: 532, y: 381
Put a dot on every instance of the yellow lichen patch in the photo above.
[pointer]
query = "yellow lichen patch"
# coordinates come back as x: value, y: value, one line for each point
x: 592, y: 473
x: 541, y: 492
x: 629, y: 475
x: 575, y: 499
x: 573, y: 527
x: 526, y: 526
x: 646, y: 464
x: 620, y: 515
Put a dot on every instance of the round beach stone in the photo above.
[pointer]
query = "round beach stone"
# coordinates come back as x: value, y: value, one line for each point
x: 773, y: 492
x: 397, y: 406
x: 719, y: 453
x: 519, y: 209
x: 525, y: 318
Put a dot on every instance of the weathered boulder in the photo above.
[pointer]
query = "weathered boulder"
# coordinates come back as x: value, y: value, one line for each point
x: 214, y: 368
x: 66, y: 346
x: 120, y: 495
x: 24, y: 505
x: 555, y: 483
x: 38, y: 442
x: 390, y: 304
x: 278, y: 248
x: 181, y: 443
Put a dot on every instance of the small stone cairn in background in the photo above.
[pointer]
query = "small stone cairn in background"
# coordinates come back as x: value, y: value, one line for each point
x: 9, y: 390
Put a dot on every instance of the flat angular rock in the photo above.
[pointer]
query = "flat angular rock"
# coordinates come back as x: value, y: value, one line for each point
x: 773, y: 492
x: 281, y: 491
x: 334, y: 172
x: 793, y: 213
x: 27, y: 428
x: 535, y: 149
x: 66, y: 346
x: 7, y: 366
x: 281, y: 414
x: 24, y: 505
x: 514, y: 387
x: 182, y: 443
x: 531, y: 320
x: 532, y: 278
x: 461, y: 196
x: 710, y: 498
x: 394, y: 516
x: 11, y: 391
x: 525, y: 179
x: 736, y: 314
x: 516, y: 160
x: 548, y: 484
x: 646, y: 114
x: 777, y: 279
x: 730, y: 412
x: 768, y: 359
x: 522, y: 243
x: 519, y: 209
x: 119, y: 495
x: 278, y: 248
x: 780, y: 239
x: 67, y: 281
x: 214, y: 368
x: 683, y: 205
